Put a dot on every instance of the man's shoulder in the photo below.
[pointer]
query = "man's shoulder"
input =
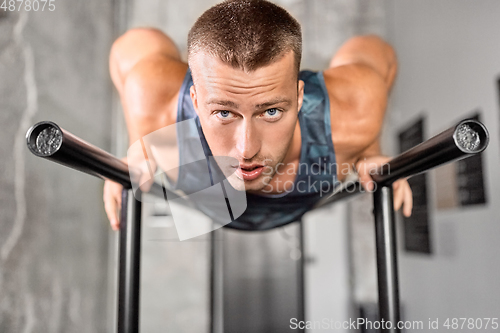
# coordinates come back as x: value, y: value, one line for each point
x: 153, y: 85
x: 358, y: 99
x: 354, y: 84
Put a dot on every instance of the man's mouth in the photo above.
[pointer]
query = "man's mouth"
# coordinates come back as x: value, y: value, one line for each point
x: 249, y: 172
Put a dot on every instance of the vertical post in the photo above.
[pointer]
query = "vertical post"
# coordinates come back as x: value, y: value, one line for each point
x: 213, y: 311
x: 129, y: 265
x: 216, y: 281
x: 388, y: 289
x: 301, y: 275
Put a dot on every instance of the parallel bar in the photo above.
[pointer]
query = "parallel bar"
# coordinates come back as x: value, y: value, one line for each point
x: 467, y: 138
x: 212, y: 282
x: 123, y: 311
x: 129, y: 270
x: 47, y: 140
x: 387, y: 268
x: 216, y: 281
x: 301, y: 275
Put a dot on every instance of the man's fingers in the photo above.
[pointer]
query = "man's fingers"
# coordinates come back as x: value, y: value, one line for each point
x: 398, y: 197
x: 364, y: 177
x: 111, y: 207
x: 365, y: 170
x: 403, y: 197
x: 112, y: 202
x: 408, y: 201
x: 402, y: 192
x: 367, y: 182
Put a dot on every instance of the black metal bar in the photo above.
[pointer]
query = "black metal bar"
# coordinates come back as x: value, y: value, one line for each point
x: 387, y: 268
x: 216, y: 281
x: 122, y: 263
x: 455, y: 143
x: 301, y: 275
x: 212, y: 282
x: 467, y: 138
x: 129, y: 270
x: 47, y: 140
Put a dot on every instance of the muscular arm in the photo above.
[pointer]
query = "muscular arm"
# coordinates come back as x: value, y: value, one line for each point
x: 370, y: 51
x: 359, y: 80
x: 146, y: 69
x: 374, y: 53
x: 147, y: 72
x: 150, y: 94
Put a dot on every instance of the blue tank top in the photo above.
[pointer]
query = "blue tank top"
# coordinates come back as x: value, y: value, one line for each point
x: 316, y: 174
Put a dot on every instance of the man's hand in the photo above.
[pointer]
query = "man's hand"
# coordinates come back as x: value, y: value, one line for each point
x: 112, y: 193
x: 402, y: 191
x: 112, y: 196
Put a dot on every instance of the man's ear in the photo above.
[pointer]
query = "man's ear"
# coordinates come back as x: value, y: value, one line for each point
x: 194, y: 98
x: 300, y: 94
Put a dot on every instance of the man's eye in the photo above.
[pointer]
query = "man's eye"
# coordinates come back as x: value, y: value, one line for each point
x: 272, y: 113
x: 224, y: 114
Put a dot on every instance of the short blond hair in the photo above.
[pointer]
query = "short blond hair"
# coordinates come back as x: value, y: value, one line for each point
x: 246, y: 34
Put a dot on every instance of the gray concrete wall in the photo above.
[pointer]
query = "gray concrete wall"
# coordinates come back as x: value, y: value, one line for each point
x: 53, y: 231
x: 449, y: 63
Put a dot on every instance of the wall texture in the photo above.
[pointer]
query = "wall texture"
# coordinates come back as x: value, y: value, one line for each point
x: 53, y: 232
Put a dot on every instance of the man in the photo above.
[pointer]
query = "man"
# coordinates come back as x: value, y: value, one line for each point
x: 251, y: 103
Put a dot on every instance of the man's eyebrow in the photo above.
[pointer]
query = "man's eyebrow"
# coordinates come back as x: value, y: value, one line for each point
x: 232, y: 104
x: 278, y: 100
x: 223, y: 103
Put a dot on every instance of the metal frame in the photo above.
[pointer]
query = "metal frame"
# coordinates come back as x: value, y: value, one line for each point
x: 301, y: 274
x: 467, y: 138
x: 387, y: 263
x: 130, y: 263
x: 216, y: 282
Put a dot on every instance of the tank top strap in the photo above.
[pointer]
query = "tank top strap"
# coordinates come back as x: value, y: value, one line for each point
x: 317, y: 161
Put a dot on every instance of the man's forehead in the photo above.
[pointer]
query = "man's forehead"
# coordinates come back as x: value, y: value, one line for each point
x: 204, y: 63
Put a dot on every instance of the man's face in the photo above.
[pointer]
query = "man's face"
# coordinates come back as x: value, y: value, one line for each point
x: 247, y: 116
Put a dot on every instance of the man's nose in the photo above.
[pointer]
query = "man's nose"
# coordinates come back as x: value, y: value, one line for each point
x: 247, y: 140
